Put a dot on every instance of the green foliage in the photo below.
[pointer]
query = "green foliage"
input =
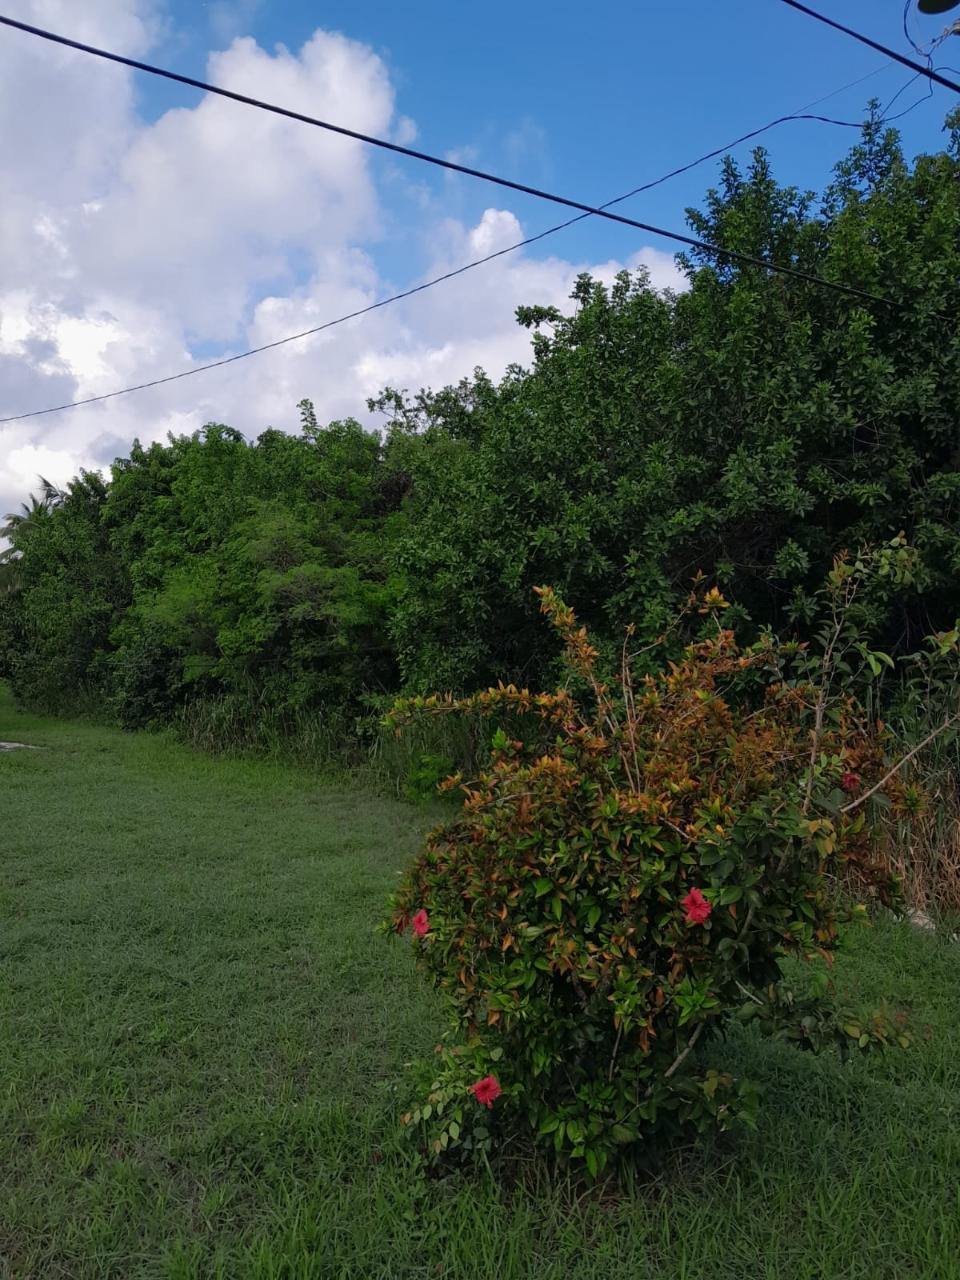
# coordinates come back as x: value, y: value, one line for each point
x: 598, y: 909
x: 264, y: 576
x: 750, y: 427
x: 66, y: 589
x: 211, y: 572
x: 425, y: 775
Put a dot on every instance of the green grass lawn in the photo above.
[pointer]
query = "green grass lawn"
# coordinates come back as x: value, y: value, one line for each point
x: 201, y: 1035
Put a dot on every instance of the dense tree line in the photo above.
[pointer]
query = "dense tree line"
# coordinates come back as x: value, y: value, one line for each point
x: 750, y: 427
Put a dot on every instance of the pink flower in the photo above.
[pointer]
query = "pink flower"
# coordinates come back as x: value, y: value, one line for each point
x: 486, y: 1091
x: 421, y: 923
x: 850, y: 781
x: 697, y: 907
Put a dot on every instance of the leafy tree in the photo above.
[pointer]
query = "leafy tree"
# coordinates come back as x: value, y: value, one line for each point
x: 68, y: 591
x: 752, y: 427
x: 259, y: 571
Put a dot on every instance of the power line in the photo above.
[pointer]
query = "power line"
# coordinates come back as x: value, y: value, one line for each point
x: 396, y: 147
x: 919, y: 67
x: 293, y: 337
x: 469, y: 266
x: 802, y: 113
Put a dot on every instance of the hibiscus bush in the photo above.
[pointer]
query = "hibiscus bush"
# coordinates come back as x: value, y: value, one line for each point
x: 619, y: 889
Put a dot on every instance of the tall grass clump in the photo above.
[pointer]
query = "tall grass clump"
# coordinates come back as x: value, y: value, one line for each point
x: 924, y: 847
x: 232, y: 725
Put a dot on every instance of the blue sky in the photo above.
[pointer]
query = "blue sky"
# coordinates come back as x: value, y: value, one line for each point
x: 593, y: 100
x: 147, y: 228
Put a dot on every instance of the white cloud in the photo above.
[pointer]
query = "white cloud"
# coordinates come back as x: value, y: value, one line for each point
x: 405, y: 131
x: 230, y: 18
x: 128, y: 245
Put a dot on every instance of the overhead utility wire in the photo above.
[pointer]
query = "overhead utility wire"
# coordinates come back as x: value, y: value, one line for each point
x: 907, y: 5
x: 919, y: 67
x: 925, y: 51
x: 414, y: 154
x: 801, y: 114
x: 469, y: 266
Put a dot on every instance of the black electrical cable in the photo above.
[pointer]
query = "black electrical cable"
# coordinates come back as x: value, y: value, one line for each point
x: 919, y: 67
x: 448, y: 275
x: 293, y: 337
x: 906, y: 31
x: 802, y: 114
x: 704, y: 246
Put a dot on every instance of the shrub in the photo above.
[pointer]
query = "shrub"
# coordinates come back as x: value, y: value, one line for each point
x: 598, y: 912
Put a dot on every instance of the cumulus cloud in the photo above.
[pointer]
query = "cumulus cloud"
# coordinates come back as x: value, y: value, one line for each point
x: 135, y: 248
x: 230, y: 18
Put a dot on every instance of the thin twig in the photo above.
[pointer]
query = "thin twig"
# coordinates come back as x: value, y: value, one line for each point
x: 616, y: 1050
x: 855, y: 804
x: 823, y: 692
x: 681, y: 1057
x: 749, y: 994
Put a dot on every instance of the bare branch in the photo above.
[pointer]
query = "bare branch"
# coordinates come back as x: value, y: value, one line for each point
x: 855, y: 804
x: 616, y: 1050
x: 681, y: 1057
x: 750, y: 995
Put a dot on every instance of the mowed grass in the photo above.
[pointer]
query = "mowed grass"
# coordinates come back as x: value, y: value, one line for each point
x: 201, y: 1036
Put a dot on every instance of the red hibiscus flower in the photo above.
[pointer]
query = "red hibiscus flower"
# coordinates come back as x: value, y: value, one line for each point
x: 486, y: 1091
x: 850, y: 781
x: 697, y: 907
x: 421, y: 923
